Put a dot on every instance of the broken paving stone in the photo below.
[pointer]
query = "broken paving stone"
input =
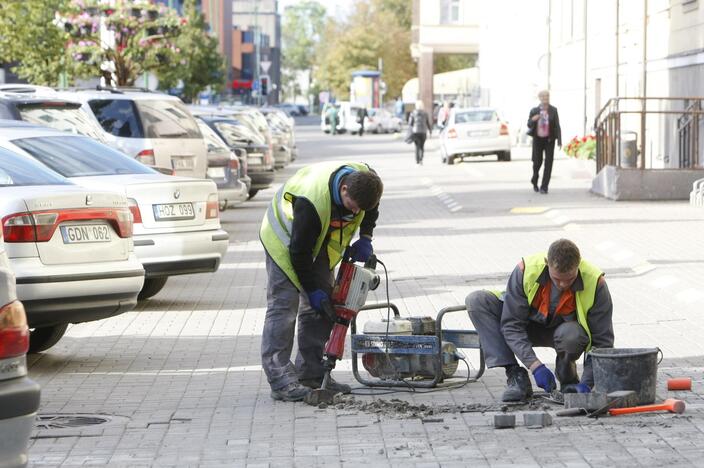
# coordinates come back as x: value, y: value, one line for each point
x: 504, y: 421
x: 537, y: 420
x: 396, y: 408
x: 628, y: 398
x: 589, y: 401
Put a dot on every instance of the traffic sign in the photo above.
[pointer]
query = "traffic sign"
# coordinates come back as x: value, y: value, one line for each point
x: 265, y: 64
x: 255, y: 85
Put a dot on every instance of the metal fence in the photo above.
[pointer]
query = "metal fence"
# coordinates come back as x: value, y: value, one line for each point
x: 650, y: 133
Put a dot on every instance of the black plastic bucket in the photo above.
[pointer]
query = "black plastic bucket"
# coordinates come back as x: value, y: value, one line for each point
x: 626, y: 369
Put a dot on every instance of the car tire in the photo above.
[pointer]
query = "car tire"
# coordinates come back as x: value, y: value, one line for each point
x: 151, y: 287
x: 252, y: 193
x: 43, y: 338
x: 504, y: 156
x: 450, y: 160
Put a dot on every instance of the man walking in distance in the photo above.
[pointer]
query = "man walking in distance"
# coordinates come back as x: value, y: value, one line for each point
x: 305, y: 231
x: 544, y: 127
x: 419, y: 128
x: 561, y: 302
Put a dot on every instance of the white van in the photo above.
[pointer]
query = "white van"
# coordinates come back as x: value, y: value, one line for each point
x: 346, y: 117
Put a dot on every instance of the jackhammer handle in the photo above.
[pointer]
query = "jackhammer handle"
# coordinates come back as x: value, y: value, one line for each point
x: 672, y: 405
x: 328, y: 309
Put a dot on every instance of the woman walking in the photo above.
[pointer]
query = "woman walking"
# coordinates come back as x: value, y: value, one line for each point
x: 419, y: 128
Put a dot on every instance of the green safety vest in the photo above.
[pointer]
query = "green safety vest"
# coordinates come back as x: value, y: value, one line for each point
x: 311, y: 183
x: 534, y: 266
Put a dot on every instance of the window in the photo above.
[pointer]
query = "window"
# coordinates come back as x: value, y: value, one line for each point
x: 167, y: 119
x: 22, y: 170
x: 476, y: 116
x: 117, y: 117
x: 66, y: 119
x: 449, y: 11
x: 212, y: 140
x: 76, y: 156
x: 236, y: 134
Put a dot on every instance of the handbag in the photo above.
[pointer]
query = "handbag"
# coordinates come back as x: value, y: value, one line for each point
x: 409, y: 135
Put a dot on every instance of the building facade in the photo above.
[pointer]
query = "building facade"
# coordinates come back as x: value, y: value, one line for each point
x: 442, y: 27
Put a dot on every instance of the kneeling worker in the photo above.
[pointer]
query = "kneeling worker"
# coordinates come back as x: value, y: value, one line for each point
x: 305, y: 232
x: 561, y: 302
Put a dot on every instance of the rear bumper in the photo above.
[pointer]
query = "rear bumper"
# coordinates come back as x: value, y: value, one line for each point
x: 282, y: 156
x: 181, y: 253
x: 19, y: 401
x: 233, y: 195
x: 477, y: 147
x: 261, y: 179
x: 76, y: 293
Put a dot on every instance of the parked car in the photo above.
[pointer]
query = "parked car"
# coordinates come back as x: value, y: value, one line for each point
x: 382, y: 121
x: 474, y: 131
x: 258, y: 123
x: 176, y: 219
x: 293, y: 110
x: 225, y: 168
x: 69, y: 247
x: 282, y: 133
x: 260, y: 163
x: 20, y: 102
x: 19, y: 395
x: 154, y: 128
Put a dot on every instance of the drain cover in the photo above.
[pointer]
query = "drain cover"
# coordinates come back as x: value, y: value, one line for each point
x: 70, y: 421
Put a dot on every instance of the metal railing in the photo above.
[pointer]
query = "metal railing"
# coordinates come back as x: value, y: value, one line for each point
x: 650, y: 133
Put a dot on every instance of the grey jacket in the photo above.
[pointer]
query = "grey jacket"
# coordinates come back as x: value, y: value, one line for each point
x: 517, y: 314
x: 419, y: 121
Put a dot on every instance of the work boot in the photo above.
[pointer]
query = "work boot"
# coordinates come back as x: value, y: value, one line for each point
x: 333, y: 386
x: 518, y: 386
x: 291, y: 392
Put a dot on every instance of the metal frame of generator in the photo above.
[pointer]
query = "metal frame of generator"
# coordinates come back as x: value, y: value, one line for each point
x: 409, y: 345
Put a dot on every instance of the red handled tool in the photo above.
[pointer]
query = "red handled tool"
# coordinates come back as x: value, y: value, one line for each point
x: 671, y: 405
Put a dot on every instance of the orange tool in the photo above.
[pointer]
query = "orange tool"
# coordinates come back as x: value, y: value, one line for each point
x: 671, y: 405
x: 684, y: 383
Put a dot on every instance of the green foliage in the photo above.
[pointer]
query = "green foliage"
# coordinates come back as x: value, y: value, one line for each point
x: 198, y: 63
x: 451, y: 62
x: 582, y: 148
x: 28, y: 36
x: 376, y: 29
x: 303, y: 24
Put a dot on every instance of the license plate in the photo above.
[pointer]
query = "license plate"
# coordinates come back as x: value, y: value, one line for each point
x: 255, y: 158
x: 479, y: 133
x: 216, y: 172
x: 182, y: 162
x: 173, y: 211
x: 85, y: 233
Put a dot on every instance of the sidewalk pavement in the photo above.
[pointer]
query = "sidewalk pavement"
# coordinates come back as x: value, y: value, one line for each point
x: 180, y: 377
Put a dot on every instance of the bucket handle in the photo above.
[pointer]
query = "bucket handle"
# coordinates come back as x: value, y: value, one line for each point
x: 662, y: 355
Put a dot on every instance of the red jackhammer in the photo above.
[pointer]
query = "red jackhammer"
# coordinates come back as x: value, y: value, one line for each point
x: 349, y: 295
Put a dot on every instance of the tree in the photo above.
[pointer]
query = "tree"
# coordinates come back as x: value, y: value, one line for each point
x: 143, y: 39
x: 302, y: 27
x: 375, y: 30
x: 28, y: 36
x: 199, y: 63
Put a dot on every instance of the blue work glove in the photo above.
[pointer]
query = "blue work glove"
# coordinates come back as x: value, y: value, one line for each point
x: 576, y: 388
x: 361, y: 250
x: 544, y: 378
x: 320, y: 302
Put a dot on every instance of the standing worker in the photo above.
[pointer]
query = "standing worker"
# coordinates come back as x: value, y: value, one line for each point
x: 560, y: 302
x: 419, y: 128
x: 361, y: 114
x: 544, y: 127
x: 332, y: 118
x: 305, y: 231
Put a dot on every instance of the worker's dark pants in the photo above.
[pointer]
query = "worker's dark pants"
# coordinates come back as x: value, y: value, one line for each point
x: 361, y: 129
x: 419, y: 140
x: 284, y: 305
x: 540, y: 146
x: 568, y: 339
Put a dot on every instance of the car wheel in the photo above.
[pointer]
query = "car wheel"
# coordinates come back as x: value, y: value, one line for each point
x: 252, y: 193
x: 222, y: 206
x: 43, y: 338
x: 450, y: 160
x: 151, y: 287
x: 505, y: 156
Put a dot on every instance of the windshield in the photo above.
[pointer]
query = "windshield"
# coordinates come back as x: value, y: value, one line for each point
x: 17, y: 170
x: 80, y: 156
x: 167, y: 119
x: 475, y: 116
x: 212, y: 140
x: 72, y: 120
x: 238, y: 135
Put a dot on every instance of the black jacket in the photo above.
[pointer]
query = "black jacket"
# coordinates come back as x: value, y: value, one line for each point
x: 555, y: 132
